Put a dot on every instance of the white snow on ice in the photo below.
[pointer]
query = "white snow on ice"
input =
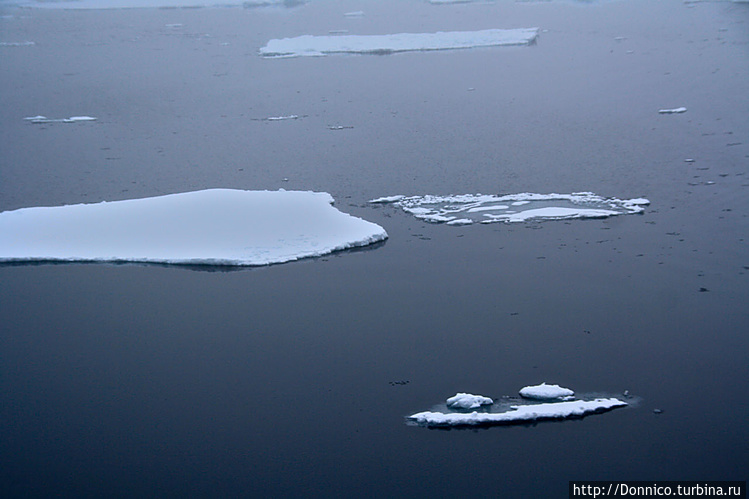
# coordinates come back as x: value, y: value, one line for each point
x: 214, y: 227
x: 309, y: 45
x: 677, y: 110
x: 143, y: 4
x: 519, y: 413
x: 72, y: 119
x: 468, y: 401
x: 546, y: 392
x: 467, y: 208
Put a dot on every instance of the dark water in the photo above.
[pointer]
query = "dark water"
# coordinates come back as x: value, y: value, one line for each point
x: 127, y: 380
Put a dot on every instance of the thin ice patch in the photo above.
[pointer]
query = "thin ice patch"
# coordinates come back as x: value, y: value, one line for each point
x: 481, y: 208
x: 315, y: 46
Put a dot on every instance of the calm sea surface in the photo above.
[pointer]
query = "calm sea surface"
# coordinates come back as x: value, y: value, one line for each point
x: 290, y: 380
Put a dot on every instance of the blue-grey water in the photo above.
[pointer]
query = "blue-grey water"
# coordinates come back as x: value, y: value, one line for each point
x: 154, y: 381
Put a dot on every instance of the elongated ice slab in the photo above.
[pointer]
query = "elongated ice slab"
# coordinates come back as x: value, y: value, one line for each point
x: 72, y: 119
x: 17, y: 44
x: 677, y: 110
x: 214, y: 227
x: 309, y: 45
x: 468, y: 208
x: 546, y: 392
x: 140, y: 4
x: 468, y: 401
x: 519, y: 413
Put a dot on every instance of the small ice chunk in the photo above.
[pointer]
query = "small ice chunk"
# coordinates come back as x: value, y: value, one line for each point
x: 72, y: 119
x: 468, y: 401
x: 309, y: 45
x: 282, y: 118
x: 356, y: 13
x: 388, y: 199
x: 519, y: 413
x: 16, y: 44
x: 546, y: 392
x: 676, y: 110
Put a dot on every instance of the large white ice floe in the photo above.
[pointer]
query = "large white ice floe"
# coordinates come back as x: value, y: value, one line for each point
x: 546, y: 392
x: 140, y: 4
x: 468, y: 401
x: 468, y: 208
x: 210, y: 227
x: 519, y: 413
x: 310, y: 45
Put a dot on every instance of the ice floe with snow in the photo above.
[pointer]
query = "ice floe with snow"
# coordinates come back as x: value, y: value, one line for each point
x: 208, y: 227
x: 676, y: 110
x: 468, y: 401
x: 72, y: 119
x: 310, y: 45
x: 519, y: 413
x: 142, y: 4
x: 546, y: 392
x: 487, y: 208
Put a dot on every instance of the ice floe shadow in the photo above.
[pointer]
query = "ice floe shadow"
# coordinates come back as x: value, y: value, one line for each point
x: 466, y: 209
x: 536, y: 404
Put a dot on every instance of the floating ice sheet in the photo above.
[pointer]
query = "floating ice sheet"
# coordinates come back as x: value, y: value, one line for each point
x: 546, y: 392
x: 139, y: 4
x: 72, y: 119
x: 468, y: 401
x: 213, y: 227
x: 676, y: 110
x: 309, y: 45
x: 519, y: 413
x: 469, y: 208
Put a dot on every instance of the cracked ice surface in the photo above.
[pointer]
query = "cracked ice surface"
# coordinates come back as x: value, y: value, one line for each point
x: 469, y: 208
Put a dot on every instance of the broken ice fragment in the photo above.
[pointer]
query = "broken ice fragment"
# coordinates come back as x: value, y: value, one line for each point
x: 467, y: 208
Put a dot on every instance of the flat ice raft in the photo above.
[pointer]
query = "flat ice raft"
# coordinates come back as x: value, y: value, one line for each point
x: 486, y: 208
x: 209, y: 227
x: 519, y: 413
x: 310, y: 45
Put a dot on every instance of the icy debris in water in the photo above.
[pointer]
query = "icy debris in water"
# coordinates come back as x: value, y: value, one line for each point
x: 677, y: 110
x: 468, y: 208
x: 468, y: 401
x: 519, y: 413
x: 546, y: 392
x: 209, y: 227
x: 340, y: 127
x: 72, y: 119
x: 282, y: 118
x: 16, y: 44
x: 356, y: 13
x: 309, y: 45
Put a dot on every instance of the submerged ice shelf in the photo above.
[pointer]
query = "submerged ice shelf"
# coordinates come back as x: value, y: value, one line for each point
x: 469, y: 208
x: 210, y: 227
x: 309, y: 45
x: 519, y: 413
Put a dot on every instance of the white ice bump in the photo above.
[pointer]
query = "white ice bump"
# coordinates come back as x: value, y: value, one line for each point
x: 468, y: 401
x: 546, y: 392
x: 214, y: 227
